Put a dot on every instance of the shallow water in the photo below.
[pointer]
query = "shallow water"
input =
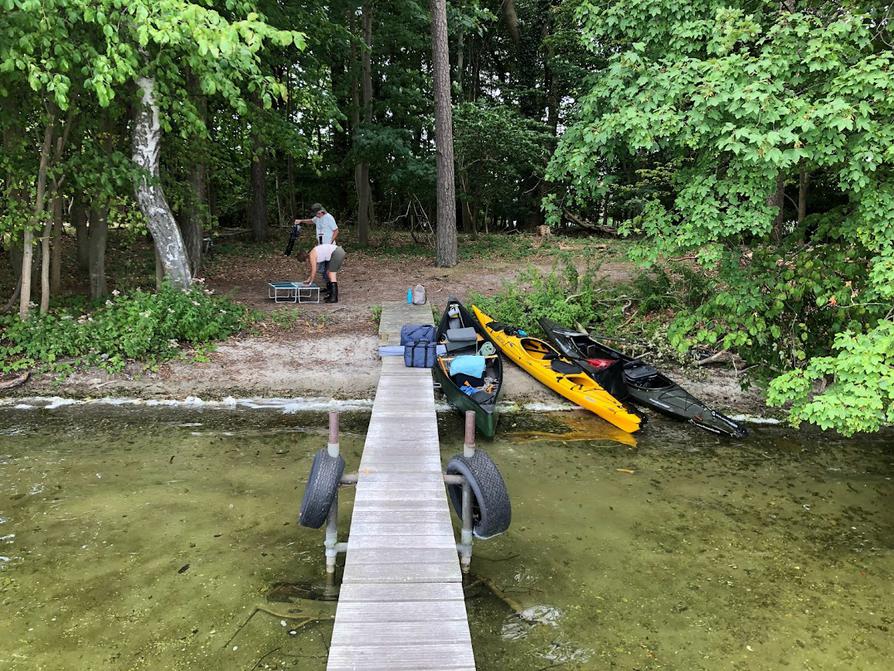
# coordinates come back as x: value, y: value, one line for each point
x: 146, y: 538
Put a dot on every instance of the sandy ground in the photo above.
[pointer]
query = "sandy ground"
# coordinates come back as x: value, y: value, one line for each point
x: 327, y: 350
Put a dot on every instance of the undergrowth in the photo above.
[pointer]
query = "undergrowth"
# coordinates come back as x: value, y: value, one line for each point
x: 634, y: 315
x: 139, y: 326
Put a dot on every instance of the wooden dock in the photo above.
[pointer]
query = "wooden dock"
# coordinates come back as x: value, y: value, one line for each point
x: 401, y: 604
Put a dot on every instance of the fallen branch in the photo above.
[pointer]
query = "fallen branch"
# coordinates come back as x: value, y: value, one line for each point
x: 301, y: 615
x: 16, y: 381
x: 589, y: 225
x: 723, y: 356
x: 511, y: 603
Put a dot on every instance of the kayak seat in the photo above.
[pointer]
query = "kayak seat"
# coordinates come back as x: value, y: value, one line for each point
x: 505, y: 328
x: 564, y: 367
x: 600, y: 364
x: 636, y: 370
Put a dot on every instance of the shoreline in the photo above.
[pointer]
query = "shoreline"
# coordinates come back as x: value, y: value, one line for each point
x: 316, y: 373
x: 286, y: 405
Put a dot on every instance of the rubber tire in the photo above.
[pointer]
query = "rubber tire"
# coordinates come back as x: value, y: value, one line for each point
x: 322, y: 486
x: 491, y: 510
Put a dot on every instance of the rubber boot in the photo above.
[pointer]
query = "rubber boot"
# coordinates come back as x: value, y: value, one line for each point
x: 327, y: 290
x: 333, y: 295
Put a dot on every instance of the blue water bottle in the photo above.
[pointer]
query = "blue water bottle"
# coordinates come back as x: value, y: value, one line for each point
x: 410, y: 296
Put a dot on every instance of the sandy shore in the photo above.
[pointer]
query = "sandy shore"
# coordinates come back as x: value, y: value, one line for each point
x: 340, y: 366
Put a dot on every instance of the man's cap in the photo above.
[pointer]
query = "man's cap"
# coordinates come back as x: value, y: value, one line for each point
x: 316, y: 207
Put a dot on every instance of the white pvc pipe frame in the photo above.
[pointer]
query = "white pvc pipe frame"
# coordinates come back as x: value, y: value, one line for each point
x: 331, y: 544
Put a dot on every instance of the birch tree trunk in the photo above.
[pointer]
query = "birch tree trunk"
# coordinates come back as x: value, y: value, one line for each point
x: 446, y: 189
x: 28, y: 242
x: 146, y: 146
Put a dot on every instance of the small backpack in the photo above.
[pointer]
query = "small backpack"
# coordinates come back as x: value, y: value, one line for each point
x: 419, y: 295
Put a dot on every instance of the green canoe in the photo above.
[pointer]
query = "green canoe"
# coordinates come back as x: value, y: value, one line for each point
x: 483, y: 401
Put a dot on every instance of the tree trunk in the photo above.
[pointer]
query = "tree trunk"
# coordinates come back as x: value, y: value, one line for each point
x: 146, y: 145
x: 98, y: 233
x: 476, y: 68
x: 552, y: 96
x: 82, y: 231
x: 468, y: 217
x: 56, y: 260
x: 777, y: 200
x: 191, y: 227
x: 45, y: 266
x: 28, y: 242
x: 803, y: 184
x: 51, y: 244
x: 511, y: 17
x: 446, y: 190
x: 361, y: 170
x: 258, y: 207
x: 460, y: 61
x: 290, y: 167
x: 192, y: 230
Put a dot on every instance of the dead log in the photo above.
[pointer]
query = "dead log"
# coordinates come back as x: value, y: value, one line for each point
x: 723, y: 356
x: 589, y: 225
x: 16, y: 381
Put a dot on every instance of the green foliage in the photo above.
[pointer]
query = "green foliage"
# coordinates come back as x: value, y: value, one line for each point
x: 565, y: 295
x: 743, y: 102
x: 861, y: 394
x: 141, y: 326
x: 496, y: 150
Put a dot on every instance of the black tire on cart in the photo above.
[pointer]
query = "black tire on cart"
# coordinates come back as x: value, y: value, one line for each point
x: 491, y: 510
x: 322, y: 486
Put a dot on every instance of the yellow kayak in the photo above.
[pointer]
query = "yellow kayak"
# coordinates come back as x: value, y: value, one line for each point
x: 544, y: 363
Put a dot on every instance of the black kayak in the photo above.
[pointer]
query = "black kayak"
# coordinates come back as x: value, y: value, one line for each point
x: 461, y: 334
x: 645, y: 384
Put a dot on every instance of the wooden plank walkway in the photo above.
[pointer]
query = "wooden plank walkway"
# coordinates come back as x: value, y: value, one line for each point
x: 401, y: 604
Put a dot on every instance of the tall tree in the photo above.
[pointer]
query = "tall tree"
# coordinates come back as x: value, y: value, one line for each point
x: 446, y: 190
x: 363, y: 101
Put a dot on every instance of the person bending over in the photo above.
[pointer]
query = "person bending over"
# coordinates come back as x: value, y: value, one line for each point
x: 326, y: 260
x: 327, y: 229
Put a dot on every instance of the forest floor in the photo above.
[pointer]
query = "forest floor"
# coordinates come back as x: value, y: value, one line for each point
x: 330, y: 350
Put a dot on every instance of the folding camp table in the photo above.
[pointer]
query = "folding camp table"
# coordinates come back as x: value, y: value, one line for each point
x: 293, y: 292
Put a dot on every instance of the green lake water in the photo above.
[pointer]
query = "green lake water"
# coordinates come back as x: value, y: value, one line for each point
x: 161, y: 539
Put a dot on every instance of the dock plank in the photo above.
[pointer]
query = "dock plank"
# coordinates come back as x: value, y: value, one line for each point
x: 380, y: 592
x: 401, y: 604
x: 401, y: 657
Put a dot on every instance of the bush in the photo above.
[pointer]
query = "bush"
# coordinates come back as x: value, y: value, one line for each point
x: 634, y: 316
x: 140, y: 326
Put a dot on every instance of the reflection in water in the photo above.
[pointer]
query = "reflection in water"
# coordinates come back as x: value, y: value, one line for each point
x: 573, y: 426
x: 159, y: 539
